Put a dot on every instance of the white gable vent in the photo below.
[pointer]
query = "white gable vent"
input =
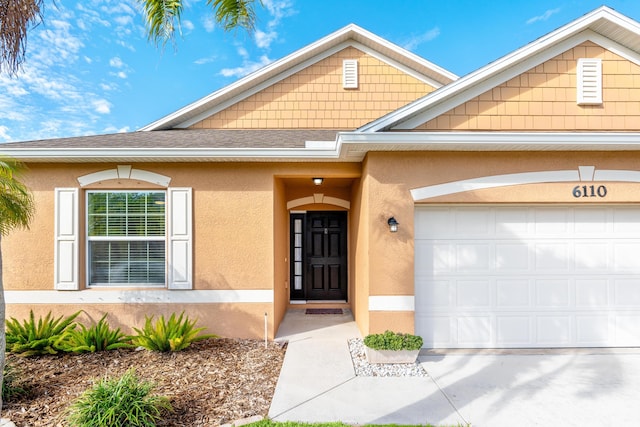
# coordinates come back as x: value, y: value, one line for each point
x: 589, y: 81
x: 350, y: 74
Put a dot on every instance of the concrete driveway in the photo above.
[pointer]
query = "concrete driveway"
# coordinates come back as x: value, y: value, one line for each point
x: 544, y: 388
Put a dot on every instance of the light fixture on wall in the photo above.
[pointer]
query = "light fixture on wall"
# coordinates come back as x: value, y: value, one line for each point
x: 393, y: 225
x: 317, y: 180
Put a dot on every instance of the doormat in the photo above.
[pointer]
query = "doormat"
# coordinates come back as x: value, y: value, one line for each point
x: 323, y: 311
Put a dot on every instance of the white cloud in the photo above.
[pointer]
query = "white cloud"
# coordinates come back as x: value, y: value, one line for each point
x: 188, y: 25
x: 102, y: 106
x: 116, y: 62
x: 246, y: 68
x: 209, y: 23
x: 207, y: 60
x: 4, y: 133
x: 264, y: 40
x: 416, y: 41
x: 114, y: 129
x: 544, y: 16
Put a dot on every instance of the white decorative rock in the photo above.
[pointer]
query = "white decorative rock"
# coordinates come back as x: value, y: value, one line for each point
x: 391, y: 356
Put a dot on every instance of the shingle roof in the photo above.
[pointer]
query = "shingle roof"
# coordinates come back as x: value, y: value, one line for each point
x: 197, y: 138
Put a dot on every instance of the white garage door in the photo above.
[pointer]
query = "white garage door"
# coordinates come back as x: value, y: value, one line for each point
x: 507, y: 277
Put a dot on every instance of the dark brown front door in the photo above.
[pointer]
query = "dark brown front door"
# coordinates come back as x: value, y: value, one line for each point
x: 319, y: 254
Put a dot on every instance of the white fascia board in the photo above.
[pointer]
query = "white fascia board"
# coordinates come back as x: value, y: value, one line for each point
x: 501, y: 70
x: 171, y: 154
x: 520, y: 140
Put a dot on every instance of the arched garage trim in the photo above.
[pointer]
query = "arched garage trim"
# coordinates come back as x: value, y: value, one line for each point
x: 584, y: 173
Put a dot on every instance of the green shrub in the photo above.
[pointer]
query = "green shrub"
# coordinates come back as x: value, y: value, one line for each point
x: 10, y: 388
x: 124, y: 401
x: 173, y: 335
x: 393, y: 341
x: 33, y: 338
x: 99, y: 337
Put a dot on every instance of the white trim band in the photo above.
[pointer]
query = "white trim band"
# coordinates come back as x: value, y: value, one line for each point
x: 392, y: 303
x: 150, y: 296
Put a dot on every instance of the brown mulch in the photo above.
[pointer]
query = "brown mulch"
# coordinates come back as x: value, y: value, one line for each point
x: 212, y: 382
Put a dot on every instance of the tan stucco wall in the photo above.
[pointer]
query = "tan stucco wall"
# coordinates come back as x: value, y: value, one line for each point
x: 544, y: 99
x: 240, y: 238
x: 226, y: 320
x: 314, y: 98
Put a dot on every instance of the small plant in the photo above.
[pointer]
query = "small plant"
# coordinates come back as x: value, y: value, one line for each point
x: 123, y: 401
x: 99, y: 337
x: 33, y: 338
x: 173, y: 335
x: 393, y: 341
x: 10, y: 388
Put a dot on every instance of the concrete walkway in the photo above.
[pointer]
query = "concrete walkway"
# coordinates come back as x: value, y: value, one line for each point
x: 532, y: 388
x: 317, y: 382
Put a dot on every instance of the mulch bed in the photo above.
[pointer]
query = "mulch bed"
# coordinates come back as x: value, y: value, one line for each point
x: 212, y: 382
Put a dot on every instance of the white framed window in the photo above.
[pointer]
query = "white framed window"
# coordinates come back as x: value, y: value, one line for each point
x: 126, y: 238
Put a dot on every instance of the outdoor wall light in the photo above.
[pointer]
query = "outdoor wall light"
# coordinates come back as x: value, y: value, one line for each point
x: 318, y: 180
x: 393, y: 225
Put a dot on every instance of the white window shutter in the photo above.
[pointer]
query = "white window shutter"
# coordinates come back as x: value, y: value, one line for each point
x: 65, y: 253
x: 589, y: 81
x: 180, y: 247
x: 350, y: 74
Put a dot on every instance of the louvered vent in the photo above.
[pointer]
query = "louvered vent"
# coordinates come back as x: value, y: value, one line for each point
x: 589, y: 81
x: 350, y: 74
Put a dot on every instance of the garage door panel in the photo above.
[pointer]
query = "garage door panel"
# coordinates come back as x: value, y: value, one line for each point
x: 474, y: 331
x: 553, y: 331
x: 512, y: 256
x: 436, y: 294
x: 435, y: 331
x: 551, y: 221
x: 512, y: 293
x: 513, y: 331
x: 528, y: 276
x: 626, y: 329
x: 592, y: 293
x: 475, y: 294
x: 552, y: 293
x: 473, y: 223
x: 552, y: 256
x: 627, y: 293
x: 626, y: 222
x: 626, y: 256
x: 592, y: 330
x: 592, y: 256
x: 473, y: 257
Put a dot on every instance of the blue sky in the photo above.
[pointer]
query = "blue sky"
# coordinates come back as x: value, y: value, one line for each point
x: 90, y: 69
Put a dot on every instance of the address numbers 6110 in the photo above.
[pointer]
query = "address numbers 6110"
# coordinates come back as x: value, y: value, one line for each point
x: 589, y: 191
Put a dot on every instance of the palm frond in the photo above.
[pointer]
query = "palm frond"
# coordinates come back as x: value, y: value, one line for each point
x: 234, y: 13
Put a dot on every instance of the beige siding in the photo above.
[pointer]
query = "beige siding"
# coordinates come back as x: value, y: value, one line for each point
x: 315, y: 99
x: 544, y: 98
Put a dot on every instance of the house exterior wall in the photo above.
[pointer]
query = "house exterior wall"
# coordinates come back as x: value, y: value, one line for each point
x: 544, y: 99
x: 314, y: 98
x: 391, y: 176
x: 240, y: 244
